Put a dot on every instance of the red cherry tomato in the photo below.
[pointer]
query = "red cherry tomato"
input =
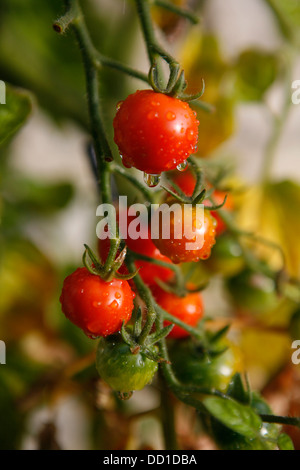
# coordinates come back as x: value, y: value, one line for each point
x: 94, y: 305
x: 186, y: 181
x: 188, y: 309
x: 186, y: 248
x: 155, y: 132
x: 148, y: 271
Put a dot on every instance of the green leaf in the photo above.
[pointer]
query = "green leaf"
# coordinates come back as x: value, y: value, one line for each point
x: 285, y: 442
x: 14, y: 112
x: 287, y: 16
x: 32, y: 196
x: 239, y: 418
x: 237, y: 390
x: 270, y: 212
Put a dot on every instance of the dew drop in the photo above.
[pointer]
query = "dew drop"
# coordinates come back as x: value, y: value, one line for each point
x: 170, y: 116
x: 125, y: 162
x: 151, y: 180
x: 91, y: 336
x: 119, y: 104
x: 114, y: 304
x: 190, y: 134
x: 117, y: 295
x: 152, y: 115
x: 182, y: 166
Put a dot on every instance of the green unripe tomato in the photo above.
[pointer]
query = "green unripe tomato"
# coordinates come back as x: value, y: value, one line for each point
x: 191, y: 366
x: 226, y: 257
x: 122, y: 370
x: 253, y: 292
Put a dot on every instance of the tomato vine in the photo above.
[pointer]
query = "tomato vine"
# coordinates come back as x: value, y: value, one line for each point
x: 174, y: 86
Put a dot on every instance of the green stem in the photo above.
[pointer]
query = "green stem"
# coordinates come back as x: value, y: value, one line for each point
x: 179, y: 278
x: 144, y: 190
x: 287, y: 420
x: 167, y: 417
x: 143, y: 10
x: 61, y: 25
x: 154, y: 50
x: 71, y: 17
x: 102, y: 149
x: 177, y: 10
x: 278, y: 121
x: 167, y: 316
x: 146, y: 296
x: 101, y: 60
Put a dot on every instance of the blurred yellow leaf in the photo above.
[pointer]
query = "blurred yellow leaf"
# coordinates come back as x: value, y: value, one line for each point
x: 272, y: 211
x: 215, y: 127
x: 264, y: 353
x: 202, y: 60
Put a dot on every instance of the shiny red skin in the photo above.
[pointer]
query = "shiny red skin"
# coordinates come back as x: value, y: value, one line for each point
x: 185, y: 180
x: 188, y: 309
x: 155, y: 132
x: 175, y: 248
x: 94, y: 305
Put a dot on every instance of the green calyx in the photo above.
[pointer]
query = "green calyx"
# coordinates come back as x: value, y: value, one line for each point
x: 106, y: 271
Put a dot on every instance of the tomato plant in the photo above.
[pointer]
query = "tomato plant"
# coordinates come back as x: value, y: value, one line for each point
x: 193, y: 314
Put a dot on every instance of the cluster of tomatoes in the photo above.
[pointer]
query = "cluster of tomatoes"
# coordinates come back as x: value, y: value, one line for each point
x: 154, y: 133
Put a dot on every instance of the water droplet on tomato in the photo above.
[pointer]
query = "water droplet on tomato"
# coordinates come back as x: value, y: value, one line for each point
x: 152, y: 115
x: 182, y: 166
x: 118, y: 295
x: 151, y: 180
x: 92, y: 336
x: 119, y: 104
x: 170, y: 116
x: 190, y: 134
x: 125, y: 162
x: 114, y: 304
